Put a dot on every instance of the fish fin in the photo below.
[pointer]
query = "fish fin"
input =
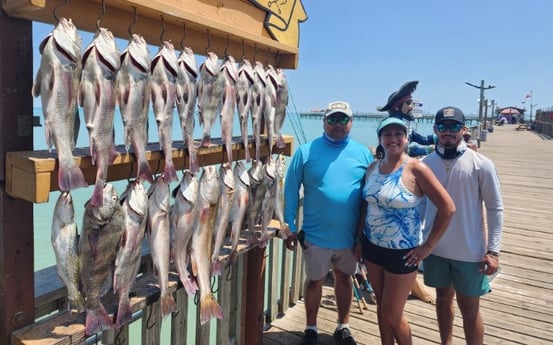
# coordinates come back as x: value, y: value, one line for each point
x: 124, y: 312
x: 280, y: 142
x: 145, y: 172
x: 97, y: 320
x: 190, y: 286
x: 70, y: 176
x: 169, y: 174
x: 206, y: 141
x: 209, y: 309
x: 77, y: 302
x: 168, y: 305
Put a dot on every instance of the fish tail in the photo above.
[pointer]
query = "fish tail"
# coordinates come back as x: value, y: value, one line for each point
x: 97, y: 196
x: 190, y: 286
x: 169, y: 174
x: 280, y: 142
x: 206, y: 140
x: 209, y: 309
x: 77, y: 302
x: 168, y: 305
x: 70, y: 176
x: 216, y: 268
x: 145, y: 172
x: 97, y: 320
x: 124, y: 312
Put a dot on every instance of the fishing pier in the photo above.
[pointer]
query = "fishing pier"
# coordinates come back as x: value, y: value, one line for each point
x: 365, y: 116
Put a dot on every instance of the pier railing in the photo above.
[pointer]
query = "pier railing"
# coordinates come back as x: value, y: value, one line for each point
x: 273, y: 271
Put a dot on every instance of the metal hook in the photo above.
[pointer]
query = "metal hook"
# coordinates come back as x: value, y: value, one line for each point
x: 55, y: 11
x: 268, y: 55
x: 103, y: 13
x: 162, y: 29
x: 227, y: 47
x: 277, y: 59
x: 183, y: 36
x: 208, y: 42
x: 254, y: 51
x: 134, y: 20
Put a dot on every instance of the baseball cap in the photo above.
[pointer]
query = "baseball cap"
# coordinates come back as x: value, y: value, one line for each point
x: 338, y: 107
x: 450, y: 113
x: 391, y: 121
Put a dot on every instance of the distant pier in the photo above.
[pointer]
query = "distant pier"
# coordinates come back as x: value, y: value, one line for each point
x: 428, y: 118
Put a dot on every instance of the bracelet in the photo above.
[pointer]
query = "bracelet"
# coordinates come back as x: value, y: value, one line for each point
x: 492, y: 253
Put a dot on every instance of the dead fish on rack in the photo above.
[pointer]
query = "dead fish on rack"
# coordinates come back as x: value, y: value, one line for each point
x: 187, y: 74
x: 134, y: 202
x: 164, y: 93
x: 230, y: 74
x: 208, y: 195
x: 102, y: 229
x: 281, y: 104
x: 65, y: 241
x: 183, y: 217
x: 210, y: 90
x: 57, y: 82
x: 257, y: 193
x: 158, y: 239
x: 97, y: 95
x: 226, y: 197
x: 269, y: 108
x: 133, y: 95
x: 244, y: 85
x: 258, y: 103
x: 239, y: 206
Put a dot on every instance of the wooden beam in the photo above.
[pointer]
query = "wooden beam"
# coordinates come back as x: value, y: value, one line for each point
x: 235, y: 27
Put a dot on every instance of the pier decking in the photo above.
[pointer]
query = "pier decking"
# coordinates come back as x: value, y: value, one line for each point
x: 520, y: 308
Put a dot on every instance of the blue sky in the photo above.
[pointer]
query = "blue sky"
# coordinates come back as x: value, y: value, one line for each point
x: 362, y: 51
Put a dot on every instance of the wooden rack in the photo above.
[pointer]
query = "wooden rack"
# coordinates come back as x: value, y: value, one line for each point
x: 233, y: 27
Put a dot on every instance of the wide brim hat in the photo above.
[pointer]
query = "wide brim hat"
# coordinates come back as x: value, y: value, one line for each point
x: 404, y: 90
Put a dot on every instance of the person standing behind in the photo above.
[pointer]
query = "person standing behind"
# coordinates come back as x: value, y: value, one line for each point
x: 330, y: 169
x: 465, y: 256
x: 400, y: 105
x: 390, y: 227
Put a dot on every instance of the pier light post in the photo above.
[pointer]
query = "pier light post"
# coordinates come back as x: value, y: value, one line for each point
x: 481, y: 103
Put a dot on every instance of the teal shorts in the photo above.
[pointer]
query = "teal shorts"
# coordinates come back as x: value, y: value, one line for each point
x: 465, y: 277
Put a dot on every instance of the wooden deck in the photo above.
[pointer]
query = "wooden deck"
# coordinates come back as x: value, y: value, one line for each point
x: 520, y: 308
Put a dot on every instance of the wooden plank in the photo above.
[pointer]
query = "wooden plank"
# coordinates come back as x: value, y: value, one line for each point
x: 33, y: 174
x: 232, y: 26
x: 179, y: 320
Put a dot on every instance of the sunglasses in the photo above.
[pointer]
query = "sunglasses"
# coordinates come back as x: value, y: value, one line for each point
x: 409, y: 102
x: 455, y: 127
x: 332, y: 120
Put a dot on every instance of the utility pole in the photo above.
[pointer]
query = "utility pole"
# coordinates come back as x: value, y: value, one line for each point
x: 481, y: 103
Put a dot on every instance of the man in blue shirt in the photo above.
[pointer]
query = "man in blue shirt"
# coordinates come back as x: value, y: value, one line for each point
x: 330, y: 169
x: 400, y: 104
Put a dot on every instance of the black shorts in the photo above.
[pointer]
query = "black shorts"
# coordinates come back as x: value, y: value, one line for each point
x: 390, y: 259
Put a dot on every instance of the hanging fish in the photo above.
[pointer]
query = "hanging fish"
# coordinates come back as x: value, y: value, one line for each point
x: 187, y: 73
x: 210, y: 91
x: 239, y: 206
x: 244, y: 85
x: 133, y: 95
x: 57, y: 82
x: 230, y: 74
x: 226, y: 197
x: 281, y: 104
x: 258, y: 104
x: 97, y: 95
x: 269, y: 108
x: 164, y: 79
x: 183, y: 216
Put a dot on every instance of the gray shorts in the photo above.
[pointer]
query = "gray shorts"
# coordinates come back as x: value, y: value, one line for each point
x: 318, y: 261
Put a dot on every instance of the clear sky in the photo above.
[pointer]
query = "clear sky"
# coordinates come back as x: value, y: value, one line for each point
x: 362, y: 50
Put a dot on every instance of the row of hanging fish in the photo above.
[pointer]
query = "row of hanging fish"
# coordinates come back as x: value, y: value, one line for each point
x: 102, y: 78
x: 208, y: 213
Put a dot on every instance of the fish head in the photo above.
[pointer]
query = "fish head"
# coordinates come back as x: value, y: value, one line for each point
x: 137, y: 51
x: 105, y: 45
x: 256, y: 172
x: 209, y: 185
x: 64, y: 209
x: 211, y: 65
x: 138, y: 198
x: 272, y: 77
x: 241, y: 173
x: 109, y: 205
x: 226, y: 176
x: 188, y: 187
x: 270, y: 169
x: 246, y: 70
x: 188, y: 61
x: 158, y: 193
x: 280, y: 166
x: 229, y: 66
x: 67, y: 40
x: 259, y: 73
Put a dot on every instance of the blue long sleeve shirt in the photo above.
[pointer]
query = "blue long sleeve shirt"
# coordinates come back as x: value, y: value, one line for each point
x: 331, y: 174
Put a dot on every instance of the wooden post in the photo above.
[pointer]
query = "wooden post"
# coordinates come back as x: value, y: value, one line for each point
x: 255, y: 296
x: 17, y: 302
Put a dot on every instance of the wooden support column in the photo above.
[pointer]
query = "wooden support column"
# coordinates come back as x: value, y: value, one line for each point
x: 17, y: 302
x: 255, y: 296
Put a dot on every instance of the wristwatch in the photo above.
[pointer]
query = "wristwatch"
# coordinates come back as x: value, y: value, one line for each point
x: 492, y: 253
